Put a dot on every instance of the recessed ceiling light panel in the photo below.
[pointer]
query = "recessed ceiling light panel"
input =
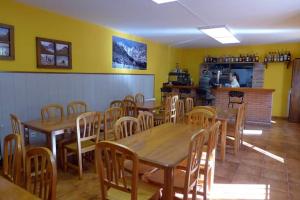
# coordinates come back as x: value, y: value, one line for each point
x: 163, y: 1
x: 221, y: 34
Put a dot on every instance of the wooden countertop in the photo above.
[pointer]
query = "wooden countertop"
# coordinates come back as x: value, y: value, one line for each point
x: 243, y: 89
x: 181, y: 86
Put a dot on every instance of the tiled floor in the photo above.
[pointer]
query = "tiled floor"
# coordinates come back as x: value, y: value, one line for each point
x: 266, y: 168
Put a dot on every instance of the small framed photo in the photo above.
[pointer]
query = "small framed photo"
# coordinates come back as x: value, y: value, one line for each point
x: 7, y: 49
x: 53, y: 54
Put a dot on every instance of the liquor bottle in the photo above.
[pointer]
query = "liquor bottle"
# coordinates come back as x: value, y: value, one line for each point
x: 281, y: 57
x: 256, y: 58
x: 240, y: 58
x: 289, y: 56
x: 266, y: 59
x: 285, y: 56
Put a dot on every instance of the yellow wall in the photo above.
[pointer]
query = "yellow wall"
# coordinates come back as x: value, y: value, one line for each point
x: 277, y: 76
x: 91, y: 44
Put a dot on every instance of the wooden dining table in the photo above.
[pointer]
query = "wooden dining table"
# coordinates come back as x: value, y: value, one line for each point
x: 163, y: 146
x: 149, y: 106
x: 52, y: 128
x: 11, y: 191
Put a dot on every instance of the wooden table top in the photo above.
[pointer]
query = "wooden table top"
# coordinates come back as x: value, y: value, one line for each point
x: 165, y: 145
x: 47, y: 126
x: 10, y: 191
x: 149, y: 105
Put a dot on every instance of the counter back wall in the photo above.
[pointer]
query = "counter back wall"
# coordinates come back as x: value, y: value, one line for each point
x: 276, y: 76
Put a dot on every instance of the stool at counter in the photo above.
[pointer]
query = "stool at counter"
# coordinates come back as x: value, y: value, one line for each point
x: 235, y: 97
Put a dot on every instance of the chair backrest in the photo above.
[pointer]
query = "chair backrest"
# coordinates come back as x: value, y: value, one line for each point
x: 189, y: 104
x: 180, y: 113
x: 12, y: 158
x: 239, y: 121
x: 209, y: 108
x: 139, y: 98
x: 129, y: 97
x: 111, y: 115
x: 88, y: 127
x: 167, y: 109
x: 110, y: 158
x: 76, y: 107
x: 52, y: 111
x: 129, y: 108
x: 116, y: 103
x: 125, y: 127
x: 146, y: 120
x: 174, y: 99
x: 17, y: 128
x: 213, y: 133
x: 41, y: 173
x: 193, y: 161
x: 202, y: 117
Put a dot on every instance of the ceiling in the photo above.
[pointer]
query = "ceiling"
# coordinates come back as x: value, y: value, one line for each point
x: 175, y: 23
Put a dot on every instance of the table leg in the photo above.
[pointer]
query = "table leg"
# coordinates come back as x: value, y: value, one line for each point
x: 223, y: 139
x: 53, y: 145
x: 168, y: 183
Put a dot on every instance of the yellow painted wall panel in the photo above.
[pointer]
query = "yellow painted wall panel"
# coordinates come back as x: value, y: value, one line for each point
x: 91, y: 44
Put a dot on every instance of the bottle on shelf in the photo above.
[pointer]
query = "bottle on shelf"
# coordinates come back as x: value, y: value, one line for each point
x: 289, y: 57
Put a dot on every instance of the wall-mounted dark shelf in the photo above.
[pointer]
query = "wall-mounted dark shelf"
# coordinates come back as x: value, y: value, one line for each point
x: 223, y: 63
x: 287, y: 63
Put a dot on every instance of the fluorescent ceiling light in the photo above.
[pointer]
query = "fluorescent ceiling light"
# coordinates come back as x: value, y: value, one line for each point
x: 221, y: 34
x: 163, y: 1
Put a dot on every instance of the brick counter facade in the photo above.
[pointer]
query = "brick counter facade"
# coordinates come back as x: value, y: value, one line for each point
x: 259, y: 110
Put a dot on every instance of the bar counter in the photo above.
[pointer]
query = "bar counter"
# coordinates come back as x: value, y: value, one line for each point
x: 259, y: 103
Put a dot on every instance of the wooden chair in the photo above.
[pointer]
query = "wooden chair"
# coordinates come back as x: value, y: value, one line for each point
x: 185, y: 181
x: 76, y: 107
x: 164, y: 116
x: 88, y: 130
x: 235, y: 131
x: 12, y: 159
x: 146, y: 120
x: 202, y: 117
x: 111, y: 116
x: 129, y: 108
x: 207, y: 167
x: 129, y: 97
x: 116, y: 103
x: 52, y: 111
x: 244, y: 121
x: 115, y: 182
x: 189, y: 104
x: 180, y: 114
x: 17, y: 128
x: 139, y: 98
x: 41, y: 173
x: 173, y: 115
x: 125, y: 127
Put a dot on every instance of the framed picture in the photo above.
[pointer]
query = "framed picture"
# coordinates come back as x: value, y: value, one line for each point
x: 128, y: 54
x: 7, y: 49
x: 53, y: 53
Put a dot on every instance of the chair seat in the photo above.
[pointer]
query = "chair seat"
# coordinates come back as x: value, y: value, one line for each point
x: 84, y: 144
x: 145, y: 192
x: 143, y: 168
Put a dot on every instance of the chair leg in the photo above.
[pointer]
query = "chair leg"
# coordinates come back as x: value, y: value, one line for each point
x: 80, y: 165
x: 194, y: 192
x: 65, y: 163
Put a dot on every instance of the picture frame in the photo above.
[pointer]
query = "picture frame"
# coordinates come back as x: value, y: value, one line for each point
x: 7, y: 43
x: 128, y: 54
x: 54, y: 54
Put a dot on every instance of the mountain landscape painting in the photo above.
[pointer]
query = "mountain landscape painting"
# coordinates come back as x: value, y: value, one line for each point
x: 128, y: 54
